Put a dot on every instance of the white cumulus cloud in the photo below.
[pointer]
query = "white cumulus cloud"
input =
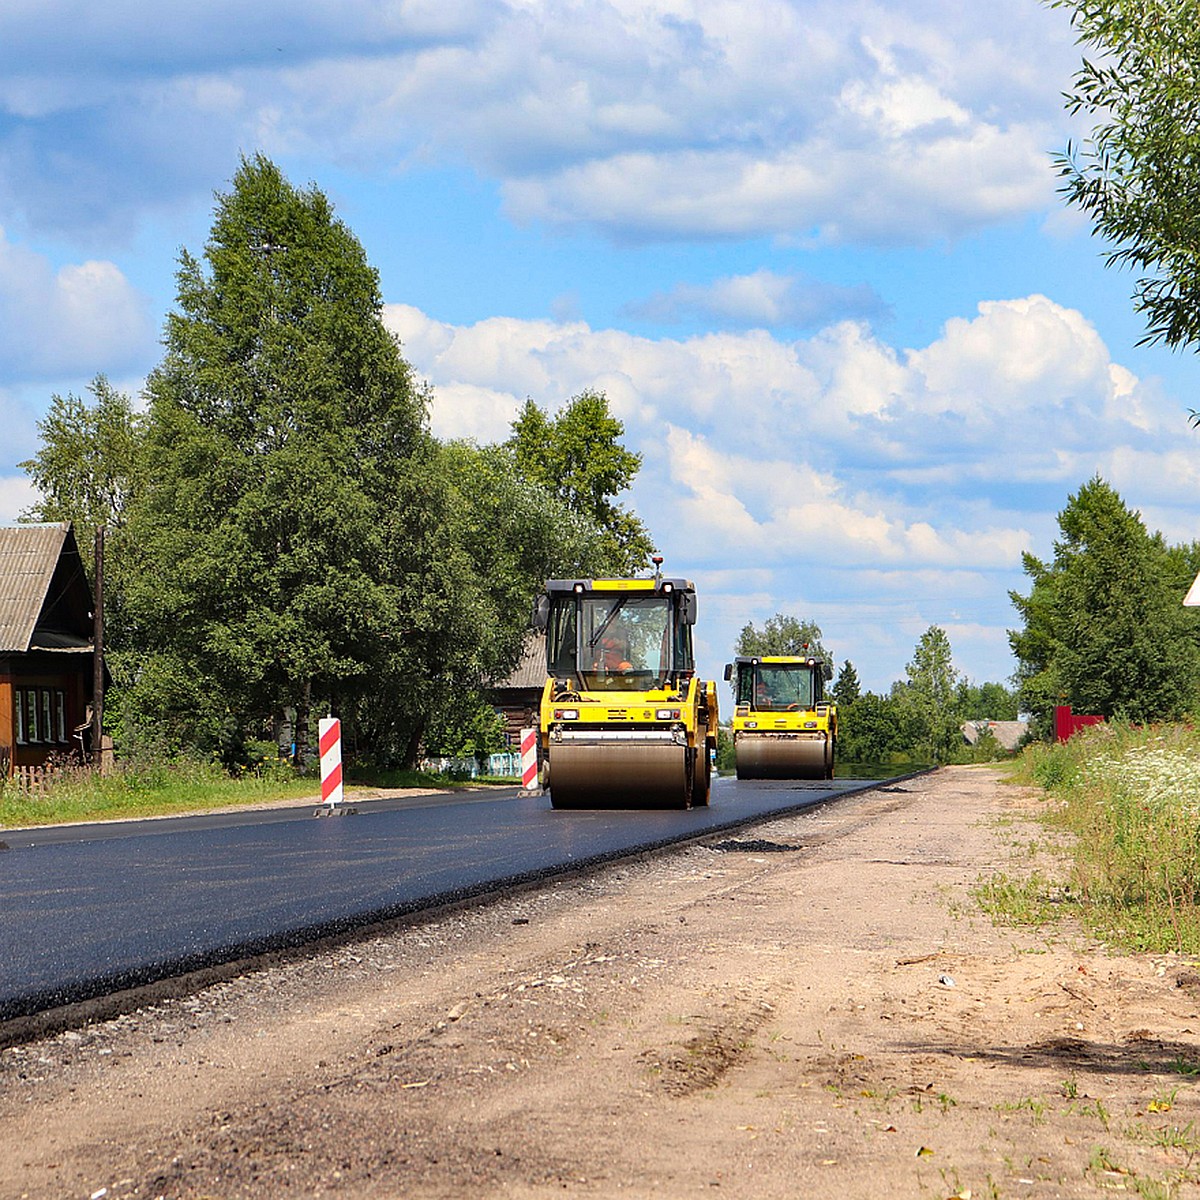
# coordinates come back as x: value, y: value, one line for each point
x: 669, y: 119
x: 16, y: 495
x: 81, y: 318
x: 823, y: 468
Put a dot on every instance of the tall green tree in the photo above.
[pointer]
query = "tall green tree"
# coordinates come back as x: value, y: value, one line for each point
x: 86, y: 472
x: 930, y: 694
x: 1137, y: 175
x: 846, y: 688
x: 782, y: 634
x: 1035, y: 646
x: 1104, y: 630
x: 517, y: 534
x: 577, y: 456
x: 985, y: 702
x: 289, y: 530
x: 86, y: 466
x: 512, y: 535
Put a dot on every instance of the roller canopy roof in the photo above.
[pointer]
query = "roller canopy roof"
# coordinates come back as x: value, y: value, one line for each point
x: 554, y: 586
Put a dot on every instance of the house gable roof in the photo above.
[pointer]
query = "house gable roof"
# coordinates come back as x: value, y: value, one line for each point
x: 45, y: 600
x: 530, y: 672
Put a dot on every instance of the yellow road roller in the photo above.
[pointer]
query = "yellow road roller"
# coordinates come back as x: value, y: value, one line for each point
x: 783, y: 727
x: 624, y: 722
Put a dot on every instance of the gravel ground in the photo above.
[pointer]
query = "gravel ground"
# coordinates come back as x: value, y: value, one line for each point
x: 814, y: 1007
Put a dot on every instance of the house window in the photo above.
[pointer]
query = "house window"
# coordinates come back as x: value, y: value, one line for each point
x: 41, y: 716
x: 27, y: 715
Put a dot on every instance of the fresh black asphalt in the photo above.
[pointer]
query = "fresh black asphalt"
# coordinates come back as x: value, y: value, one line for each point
x: 86, y: 910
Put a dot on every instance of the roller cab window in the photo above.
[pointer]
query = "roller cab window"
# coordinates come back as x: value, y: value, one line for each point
x: 561, y: 648
x: 615, y: 642
x: 784, y: 687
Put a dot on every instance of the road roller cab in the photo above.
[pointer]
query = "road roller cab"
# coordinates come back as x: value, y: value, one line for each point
x: 783, y: 727
x: 624, y: 721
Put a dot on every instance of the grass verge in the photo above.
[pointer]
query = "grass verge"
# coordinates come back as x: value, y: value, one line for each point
x: 1129, y: 799
x: 172, y: 788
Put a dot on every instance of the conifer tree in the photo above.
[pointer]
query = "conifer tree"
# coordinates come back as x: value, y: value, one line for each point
x: 1104, y: 628
x: 287, y: 530
x: 846, y: 688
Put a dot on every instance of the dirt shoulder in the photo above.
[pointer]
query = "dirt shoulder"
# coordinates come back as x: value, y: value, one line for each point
x: 815, y: 1007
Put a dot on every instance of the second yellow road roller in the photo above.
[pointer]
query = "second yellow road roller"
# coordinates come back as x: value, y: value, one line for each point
x: 624, y: 722
x: 783, y: 727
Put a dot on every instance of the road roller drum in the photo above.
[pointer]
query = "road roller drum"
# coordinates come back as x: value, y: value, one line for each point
x: 611, y: 773
x: 783, y: 756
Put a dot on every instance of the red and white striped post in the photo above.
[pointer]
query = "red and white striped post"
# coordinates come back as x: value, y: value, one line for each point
x: 330, y: 730
x: 529, y: 762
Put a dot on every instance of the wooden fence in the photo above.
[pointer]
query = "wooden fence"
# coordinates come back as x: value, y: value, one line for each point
x: 36, y: 781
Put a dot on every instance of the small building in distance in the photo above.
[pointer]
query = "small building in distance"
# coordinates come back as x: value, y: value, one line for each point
x: 46, y: 651
x: 1008, y: 734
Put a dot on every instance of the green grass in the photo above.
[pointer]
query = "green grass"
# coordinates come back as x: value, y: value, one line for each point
x: 1181, y: 1066
x: 1029, y: 900
x: 1128, y: 801
x: 1035, y: 1106
x: 166, y: 789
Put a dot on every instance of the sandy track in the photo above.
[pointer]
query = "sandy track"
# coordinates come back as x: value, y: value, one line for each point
x: 814, y: 1007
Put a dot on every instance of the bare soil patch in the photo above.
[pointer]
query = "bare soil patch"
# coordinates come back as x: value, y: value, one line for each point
x: 815, y: 1007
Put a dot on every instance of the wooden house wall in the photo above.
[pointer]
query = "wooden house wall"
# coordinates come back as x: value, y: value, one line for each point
x: 519, y: 708
x: 6, y: 724
x: 48, y: 675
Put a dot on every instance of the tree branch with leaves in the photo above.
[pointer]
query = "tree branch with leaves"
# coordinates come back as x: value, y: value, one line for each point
x: 1137, y: 173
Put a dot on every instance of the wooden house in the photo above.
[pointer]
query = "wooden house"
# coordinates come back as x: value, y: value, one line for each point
x: 517, y: 698
x: 46, y: 659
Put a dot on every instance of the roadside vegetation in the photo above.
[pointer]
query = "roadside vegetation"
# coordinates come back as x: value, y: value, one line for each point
x: 1103, y: 627
x: 172, y: 787
x: 1123, y: 819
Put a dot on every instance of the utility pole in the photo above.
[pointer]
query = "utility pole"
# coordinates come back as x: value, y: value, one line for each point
x: 98, y: 655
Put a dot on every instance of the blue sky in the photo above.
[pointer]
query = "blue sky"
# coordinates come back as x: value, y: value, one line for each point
x: 812, y: 251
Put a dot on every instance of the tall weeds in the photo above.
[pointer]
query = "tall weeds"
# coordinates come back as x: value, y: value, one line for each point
x: 1131, y: 799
